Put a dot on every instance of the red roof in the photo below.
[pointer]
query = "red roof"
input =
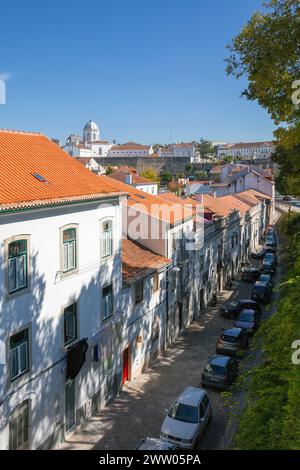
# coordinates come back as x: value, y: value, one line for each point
x: 154, y: 205
x: 58, y: 176
x: 138, y: 262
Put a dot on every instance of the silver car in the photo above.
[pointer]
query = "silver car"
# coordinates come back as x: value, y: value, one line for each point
x: 187, y: 418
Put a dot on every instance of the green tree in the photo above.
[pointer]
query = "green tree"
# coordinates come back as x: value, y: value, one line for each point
x: 205, y: 149
x: 266, y: 52
x: 109, y: 170
x: 166, y: 176
x: 150, y: 174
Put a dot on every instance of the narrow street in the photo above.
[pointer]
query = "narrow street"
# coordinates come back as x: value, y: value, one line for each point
x: 140, y: 409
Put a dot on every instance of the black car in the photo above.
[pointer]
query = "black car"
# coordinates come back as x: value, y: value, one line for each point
x: 250, y: 274
x: 233, y: 309
x: 232, y: 341
x: 220, y: 372
x: 261, y: 292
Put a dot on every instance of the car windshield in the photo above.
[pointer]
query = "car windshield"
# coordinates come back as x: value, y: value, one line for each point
x: 215, y: 369
x: 269, y: 256
x: 186, y: 413
x: 246, y: 317
x: 264, y: 278
x: 230, y: 339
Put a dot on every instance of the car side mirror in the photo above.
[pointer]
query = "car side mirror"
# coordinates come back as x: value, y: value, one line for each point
x: 166, y: 410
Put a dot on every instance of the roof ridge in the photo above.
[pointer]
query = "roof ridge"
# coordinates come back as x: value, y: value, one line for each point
x: 18, y: 131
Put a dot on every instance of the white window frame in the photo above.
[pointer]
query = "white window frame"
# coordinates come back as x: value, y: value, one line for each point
x: 107, y: 238
x: 69, y: 251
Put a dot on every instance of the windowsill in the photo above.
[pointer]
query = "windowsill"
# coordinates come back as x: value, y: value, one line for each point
x: 71, y: 343
x: 66, y: 274
x: 17, y: 293
x: 105, y: 320
x: 20, y: 380
x: 104, y: 259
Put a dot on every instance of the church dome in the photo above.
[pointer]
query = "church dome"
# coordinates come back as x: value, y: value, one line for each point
x: 91, y: 126
x: 91, y: 132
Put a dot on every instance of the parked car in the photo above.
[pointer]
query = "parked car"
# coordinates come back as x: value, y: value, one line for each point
x: 187, y: 418
x: 271, y: 240
x: 271, y: 257
x: 220, y: 372
x: 267, y: 267
x: 250, y: 274
x: 151, y: 443
x: 233, y: 309
x: 247, y: 320
x: 268, y: 264
x: 266, y: 279
x: 286, y: 198
x: 261, y: 292
x: 232, y: 341
x: 269, y: 249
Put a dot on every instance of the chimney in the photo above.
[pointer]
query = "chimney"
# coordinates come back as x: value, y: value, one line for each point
x: 128, y: 178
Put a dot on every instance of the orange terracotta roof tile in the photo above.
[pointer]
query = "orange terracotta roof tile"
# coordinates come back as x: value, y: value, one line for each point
x: 138, y: 262
x: 251, y: 196
x: 224, y: 205
x: 169, y: 212
x: 62, y: 177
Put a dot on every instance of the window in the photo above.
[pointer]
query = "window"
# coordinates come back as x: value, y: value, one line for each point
x: 139, y: 292
x: 70, y: 323
x: 107, y: 239
x: 69, y: 249
x: 19, y: 360
x: 155, y: 282
x: 18, y: 428
x: 17, y: 265
x: 107, y: 302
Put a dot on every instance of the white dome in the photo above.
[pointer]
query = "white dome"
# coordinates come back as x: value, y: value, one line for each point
x: 91, y: 132
x: 91, y: 126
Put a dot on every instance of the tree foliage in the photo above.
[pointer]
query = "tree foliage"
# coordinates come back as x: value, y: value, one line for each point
x: 271, y: 419
x: 267, y: 53
x: 151, y: 174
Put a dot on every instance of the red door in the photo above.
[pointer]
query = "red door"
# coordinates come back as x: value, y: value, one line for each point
x: 125, y: 364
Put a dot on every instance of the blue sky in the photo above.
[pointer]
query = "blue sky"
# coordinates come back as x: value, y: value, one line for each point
x: 144, y: 70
